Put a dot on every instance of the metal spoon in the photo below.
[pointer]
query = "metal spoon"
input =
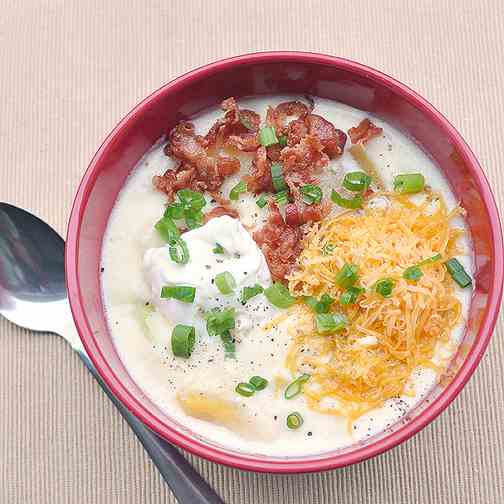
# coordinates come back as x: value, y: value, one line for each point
x: 33, y: 295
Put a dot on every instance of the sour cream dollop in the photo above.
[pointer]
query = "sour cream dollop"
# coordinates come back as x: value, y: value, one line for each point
x: 242, y: 258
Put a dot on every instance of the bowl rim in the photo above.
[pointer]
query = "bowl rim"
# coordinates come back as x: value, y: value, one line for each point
x: 318, y: 462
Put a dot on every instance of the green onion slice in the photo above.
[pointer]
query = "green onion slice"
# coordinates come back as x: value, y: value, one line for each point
x: 458, y: 272
x: 167, y: 230
x: 245, y: 389
x: 258, y: 382
x: 225, y: 282
x: 175, y: 211
x: 328, y: 323
x: 312, y: 194
x: 409, y: 183
x: 328, y: 249
x: 278, y: 295
x: 193, y: 201
x: 183, y: 293
x: 267, y: 136
x: 179, y: 252
x: 193, y: 219
x: 220, y: 321
x: 355, y: 202
x: 239, y: 188
x: 294, y: 420
x: 250, y: 292
x: 182, y: 340
x: 347, y: 276
x: 357, y: 181
x: 218, y: 249
x: 321, y: 306
x: 277, y: 177
x: 282, y: 140
x: 295, y: 388
x: 384, y: 287
x: 413, y: 273
x: 350, y: 295
x: 282, y: 197
x: 430, y: 260
x: 262, y: 201
x: 229, y: 345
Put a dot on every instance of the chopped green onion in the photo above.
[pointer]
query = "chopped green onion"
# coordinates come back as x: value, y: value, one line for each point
x: 245, y: 389
x: 193, y: 201
x: 409, y: 183
x: 194, y: 219
x: 350, y: 295
x: 311, y: 193
x: 182, y: 340
x: 355, y: 202
x: 346, y: 276
x: 250, y: 292
x: 282, y: 140
x: 356, y: 181
x: 179, y: 252
x: 262, y: 201
x: 175, y: 211
x: 384, y: 287
x: 225, y: 282
x: 239, y: 188
x: 218, y: 249
x: 278, y: 295
x: 182, y: 293
x: 328, y: 249
x: 220, y: 322
x: 277, y: 177
x: 294, y: 420
x: 167, y: 230
x: 267, y: 136
x: 458, y: 273
x: 430, y: 260
x: 258, y: 382
x: 282, y: 197
x: 328, y: 323
x: 229, y: 345
x: 295, y: 388
x: 413, y: 273
x: 321, y: 306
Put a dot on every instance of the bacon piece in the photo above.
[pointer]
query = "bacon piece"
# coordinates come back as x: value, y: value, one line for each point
x: 307, y: 156
x: 198, y: 170
x: 296, y: 130
x: 292, y: 217
x: 279, y: 242
x: 273, y: 152
x: 304, y: 213
x: 219, y: 212
x: 276, y: 116
x: 331, y: 138
x: 259, y: 179
x: 238, y: 128
x: 364, y: 132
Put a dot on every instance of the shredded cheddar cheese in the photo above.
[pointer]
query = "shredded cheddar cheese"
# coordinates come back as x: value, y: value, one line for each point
x: 372, y: 359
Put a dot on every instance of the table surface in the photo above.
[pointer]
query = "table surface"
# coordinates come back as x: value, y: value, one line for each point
x: 69, y: 70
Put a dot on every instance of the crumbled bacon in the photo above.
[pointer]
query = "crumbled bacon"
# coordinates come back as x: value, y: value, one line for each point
x: 298, y: 212
x: 279, y: 242
x: 259, y: 179
x: 364, y: 132
x: 331, y: 138
x: 238, y: 128
x: 307, y: 156
x: 198, y: 170
x: 276, y: 116
x: 219, y: 212
x: 296, y: 130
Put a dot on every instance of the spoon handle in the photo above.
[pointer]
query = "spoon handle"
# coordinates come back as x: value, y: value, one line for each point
x: 186, y: 484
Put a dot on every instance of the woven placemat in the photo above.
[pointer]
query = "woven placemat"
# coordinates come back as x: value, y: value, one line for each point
x: 69, y: 70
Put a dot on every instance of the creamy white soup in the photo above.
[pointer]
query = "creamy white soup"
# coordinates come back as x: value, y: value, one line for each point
x: 349, y: 306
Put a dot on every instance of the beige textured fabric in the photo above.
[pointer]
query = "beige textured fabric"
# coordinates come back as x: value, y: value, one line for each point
x: 69, y: 70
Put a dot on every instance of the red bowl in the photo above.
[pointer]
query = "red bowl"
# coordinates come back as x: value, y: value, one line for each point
x: 283, y: 73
